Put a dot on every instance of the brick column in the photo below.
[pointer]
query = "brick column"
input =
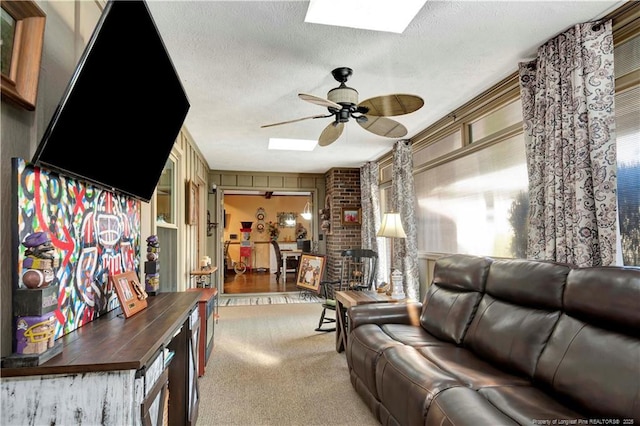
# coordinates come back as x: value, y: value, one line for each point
x: 343, y: 190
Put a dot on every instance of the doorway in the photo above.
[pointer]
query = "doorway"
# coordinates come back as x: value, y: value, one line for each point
x: 251, y: 219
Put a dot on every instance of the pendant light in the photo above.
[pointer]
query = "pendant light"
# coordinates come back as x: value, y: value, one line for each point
x: 306, y: 213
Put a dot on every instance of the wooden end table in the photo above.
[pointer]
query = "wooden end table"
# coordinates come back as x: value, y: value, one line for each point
x: 346, y: 299
x: 203, y: 277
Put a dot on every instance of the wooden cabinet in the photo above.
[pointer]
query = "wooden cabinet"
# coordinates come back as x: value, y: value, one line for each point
x: 208, y: 308
x: 183, y: 376
x: 115, y: 371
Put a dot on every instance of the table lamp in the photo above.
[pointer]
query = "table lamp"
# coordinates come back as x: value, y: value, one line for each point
x: 391, y: 227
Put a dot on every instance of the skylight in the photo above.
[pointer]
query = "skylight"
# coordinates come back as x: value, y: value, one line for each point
x: 292, y: 144
x: 376, y: 15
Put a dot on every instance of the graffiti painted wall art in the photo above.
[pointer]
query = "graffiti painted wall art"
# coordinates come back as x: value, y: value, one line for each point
x: 95, y: 234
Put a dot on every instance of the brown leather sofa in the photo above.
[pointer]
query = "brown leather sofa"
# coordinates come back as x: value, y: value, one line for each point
x: 503, y: 342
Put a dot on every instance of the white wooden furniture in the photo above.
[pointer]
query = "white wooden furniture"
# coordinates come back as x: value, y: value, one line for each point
x: 285, y: 254
x: 115, y: 371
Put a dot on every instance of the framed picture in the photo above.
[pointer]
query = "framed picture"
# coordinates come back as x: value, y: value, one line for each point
x: 351, y: 216
x: 22, y: 28
x: 131, y: 294
x: 310, y: 271
x: 287, y: 220
x: 192, y: 203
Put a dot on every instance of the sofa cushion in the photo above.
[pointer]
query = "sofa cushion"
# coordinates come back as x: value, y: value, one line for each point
x: 384, y: 313
x: 597, y: 369
x: 364, y: 346
x: 453, y: 296
x: 517, y: 313
x: 617, y: 304
x: 463, y: 406
x: 537, y: 284
x: 471, y: 371
x: 593, y: 355
x: 412, y: 335
x: 407, y: 383
x: 365, y: 394
x: 510, y: 336
x: 528, y: 405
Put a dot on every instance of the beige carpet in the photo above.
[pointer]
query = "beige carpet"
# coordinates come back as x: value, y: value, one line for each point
x: 269, y: 367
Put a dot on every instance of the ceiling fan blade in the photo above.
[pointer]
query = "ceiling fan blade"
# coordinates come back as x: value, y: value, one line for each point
x: 383, y: 126
x: 330, y: 133
x: 319, y: 101
x: 296, y: 120
x: 390, y: 105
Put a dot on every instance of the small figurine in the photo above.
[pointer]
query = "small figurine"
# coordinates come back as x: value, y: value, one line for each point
x: 301, y: 231
x: 39, y: 262
x: 151, y: 266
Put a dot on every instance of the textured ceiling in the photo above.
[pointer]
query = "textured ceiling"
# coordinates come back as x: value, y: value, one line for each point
x: 243, y: 63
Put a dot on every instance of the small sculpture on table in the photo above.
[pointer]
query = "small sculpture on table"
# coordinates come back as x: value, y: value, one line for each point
x: 152, y: 266
x: 205, y: 263
x: 39, y: 262
x: 301, y: 232
x: 203, y: 276
x: 34, y: 303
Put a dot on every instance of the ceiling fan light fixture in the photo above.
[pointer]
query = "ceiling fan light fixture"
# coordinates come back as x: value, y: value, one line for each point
x: 343, y: 95
x: 371, y: 114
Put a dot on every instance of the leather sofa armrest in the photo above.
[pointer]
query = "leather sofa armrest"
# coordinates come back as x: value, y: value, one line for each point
x: 384, y: 313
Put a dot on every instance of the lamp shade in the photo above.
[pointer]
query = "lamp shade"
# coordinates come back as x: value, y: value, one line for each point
x: 391, y: 226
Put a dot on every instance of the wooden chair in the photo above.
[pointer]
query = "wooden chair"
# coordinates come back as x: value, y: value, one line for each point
x: 327, y: 292
x: 227, y: 259
x: 359, y: 268
x: 292, y: 263
x: 357, y: 272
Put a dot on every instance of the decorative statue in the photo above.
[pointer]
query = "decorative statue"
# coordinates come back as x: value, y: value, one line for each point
x: 301, y: 232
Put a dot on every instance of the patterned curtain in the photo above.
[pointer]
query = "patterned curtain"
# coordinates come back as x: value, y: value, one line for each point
x: 404, y: 201
x: 369, y: 178
x: 569, y: 125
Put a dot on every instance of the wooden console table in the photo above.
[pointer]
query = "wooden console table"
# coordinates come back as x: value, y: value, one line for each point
x: 346, y: 299
x: 115, y: 371
x: 208, y: 308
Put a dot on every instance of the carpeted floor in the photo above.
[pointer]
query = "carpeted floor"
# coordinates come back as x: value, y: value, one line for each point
x: 269, y: 299
x: 269, y: 367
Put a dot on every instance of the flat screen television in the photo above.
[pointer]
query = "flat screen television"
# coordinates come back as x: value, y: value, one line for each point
x: 122, y: 109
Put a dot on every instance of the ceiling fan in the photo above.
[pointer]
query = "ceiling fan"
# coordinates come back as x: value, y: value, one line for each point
x: 371, y: 114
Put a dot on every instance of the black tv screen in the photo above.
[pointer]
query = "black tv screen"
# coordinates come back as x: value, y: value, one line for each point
x: 122, y: 110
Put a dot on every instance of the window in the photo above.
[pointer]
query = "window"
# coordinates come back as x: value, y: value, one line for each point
x: 166, y: 195
x: 476, y: 203
x: 472, y: 184
x: 627, y: 61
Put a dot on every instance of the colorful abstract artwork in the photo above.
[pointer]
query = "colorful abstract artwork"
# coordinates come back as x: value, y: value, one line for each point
x: 96, y: 234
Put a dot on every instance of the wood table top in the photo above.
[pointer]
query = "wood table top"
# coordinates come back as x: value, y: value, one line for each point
x: 112, y: 342
x: 205, y: 271
x: 206, y: 293
x: 350, y: 298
